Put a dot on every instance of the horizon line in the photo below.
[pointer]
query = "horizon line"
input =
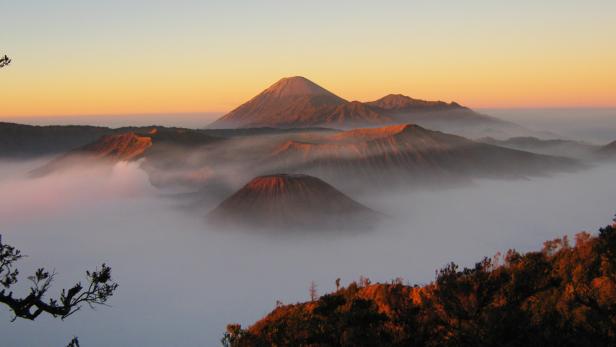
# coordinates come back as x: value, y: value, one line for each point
x: 213, y: 113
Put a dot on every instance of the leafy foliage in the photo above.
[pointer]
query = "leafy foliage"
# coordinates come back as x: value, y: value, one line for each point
x: 97, y: 291
x: 562, y: 295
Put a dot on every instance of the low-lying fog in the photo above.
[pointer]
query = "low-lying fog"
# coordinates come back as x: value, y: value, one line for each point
x: 594, y: 125
x: 181, y: 283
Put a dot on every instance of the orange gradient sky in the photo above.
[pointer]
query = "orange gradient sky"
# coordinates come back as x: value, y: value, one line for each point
x: 123, y: 57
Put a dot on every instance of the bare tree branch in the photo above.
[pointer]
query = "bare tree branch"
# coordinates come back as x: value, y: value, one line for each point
x: 99, y: 289
x: 4, y: 61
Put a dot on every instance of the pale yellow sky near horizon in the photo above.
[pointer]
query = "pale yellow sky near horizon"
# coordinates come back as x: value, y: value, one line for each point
x: 136, y: 57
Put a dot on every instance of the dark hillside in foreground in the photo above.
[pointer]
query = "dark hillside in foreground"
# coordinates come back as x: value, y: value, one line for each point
x: 563, y: 295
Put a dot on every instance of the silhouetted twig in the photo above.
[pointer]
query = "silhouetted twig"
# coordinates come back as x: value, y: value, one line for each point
x: 99, y: 289
x: 4, y: 61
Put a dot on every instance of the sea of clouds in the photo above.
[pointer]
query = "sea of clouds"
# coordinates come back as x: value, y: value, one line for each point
x: 181, y: 282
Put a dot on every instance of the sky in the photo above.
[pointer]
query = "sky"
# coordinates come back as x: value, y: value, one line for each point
x: 133, y: 57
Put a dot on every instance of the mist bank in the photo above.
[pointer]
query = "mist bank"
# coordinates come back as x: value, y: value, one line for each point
x: 386, y: 158
x: 594, y: 125
x: 181, y: 281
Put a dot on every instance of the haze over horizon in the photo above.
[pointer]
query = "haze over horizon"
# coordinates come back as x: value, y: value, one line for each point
x: 72, y: 58
x: 294, y: 173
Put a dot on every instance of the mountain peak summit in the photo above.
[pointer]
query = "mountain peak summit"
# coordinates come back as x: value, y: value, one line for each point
x: 291, y: 102
x: 295, y: 86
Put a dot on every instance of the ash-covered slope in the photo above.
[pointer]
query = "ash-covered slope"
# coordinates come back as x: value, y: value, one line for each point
x: 407, y: 154
x: 298, y: 102
x: 284, y: 202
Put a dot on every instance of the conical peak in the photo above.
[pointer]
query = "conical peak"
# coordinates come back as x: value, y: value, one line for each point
x: 295, y: 86
x: 291, y: 202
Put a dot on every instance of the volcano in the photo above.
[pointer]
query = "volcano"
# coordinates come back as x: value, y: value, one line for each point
x: 406, y: 154
x: 292, y: 202
x: 298, y: 102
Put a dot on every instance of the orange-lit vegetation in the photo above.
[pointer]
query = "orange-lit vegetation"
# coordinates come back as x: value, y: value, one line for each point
x: 562, y: 295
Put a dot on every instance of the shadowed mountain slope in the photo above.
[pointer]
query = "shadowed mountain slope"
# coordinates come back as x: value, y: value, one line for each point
x: 406, y: 154
x: 22, y: 141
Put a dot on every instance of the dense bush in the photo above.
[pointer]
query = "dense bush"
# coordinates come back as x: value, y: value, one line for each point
x: 562, y: 295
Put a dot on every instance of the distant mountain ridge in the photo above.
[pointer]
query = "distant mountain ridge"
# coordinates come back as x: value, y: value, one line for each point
x: 295, y: 102
x: 406, y: 154
x: 26, y: 141
x: 397, y: 102
x: 401, y: 155
x: 23, y: 141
